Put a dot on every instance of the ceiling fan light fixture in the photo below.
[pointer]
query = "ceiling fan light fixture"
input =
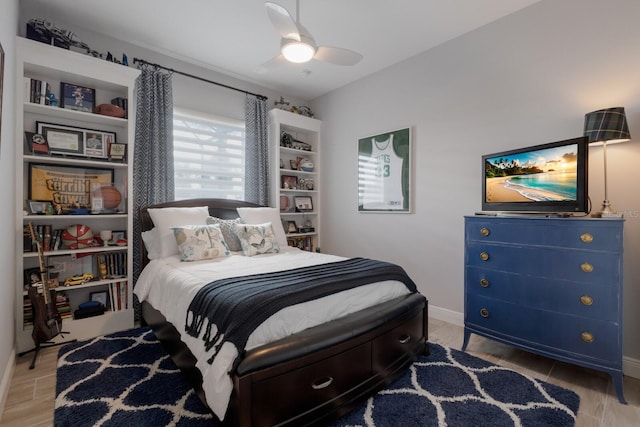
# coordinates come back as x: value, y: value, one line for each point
x: 297, y: 51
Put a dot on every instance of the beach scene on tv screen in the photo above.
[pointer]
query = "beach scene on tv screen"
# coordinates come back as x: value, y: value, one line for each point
x: 542, y: 175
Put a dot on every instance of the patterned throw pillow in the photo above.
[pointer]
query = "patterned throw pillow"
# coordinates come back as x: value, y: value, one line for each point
x: 197, y: 242
x: 257, y: 239
x: 228, y: 227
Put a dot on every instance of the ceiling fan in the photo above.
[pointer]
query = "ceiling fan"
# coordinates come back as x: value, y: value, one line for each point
x: 297, y: 43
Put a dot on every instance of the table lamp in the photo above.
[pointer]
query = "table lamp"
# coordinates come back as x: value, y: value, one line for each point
x: 602, y: 127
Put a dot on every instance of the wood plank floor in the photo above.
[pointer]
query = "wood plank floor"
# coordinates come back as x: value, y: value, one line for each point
x: 32, y: 392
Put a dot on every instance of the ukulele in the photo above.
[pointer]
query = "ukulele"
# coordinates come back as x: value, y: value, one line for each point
x: 47, y: 322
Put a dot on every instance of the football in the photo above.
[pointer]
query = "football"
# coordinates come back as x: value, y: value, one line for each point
x: 77, y: 236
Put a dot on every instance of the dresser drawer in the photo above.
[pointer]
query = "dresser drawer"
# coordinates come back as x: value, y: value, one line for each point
x: 558, y: 332
x: 388, y: 347
x: 310, y: 385
x: 593, y: 300
x: 567, y: 233
x: 547, y: 262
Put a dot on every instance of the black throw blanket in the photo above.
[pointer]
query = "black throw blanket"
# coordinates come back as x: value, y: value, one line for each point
x: 238, y: 305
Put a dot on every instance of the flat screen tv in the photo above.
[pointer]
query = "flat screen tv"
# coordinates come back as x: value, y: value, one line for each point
x: 538, y: 179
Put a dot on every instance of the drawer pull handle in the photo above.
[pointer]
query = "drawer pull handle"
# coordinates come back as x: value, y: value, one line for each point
x: 586, y: 300
x: 485, y: 231
x: 322, y: 383
x: 484, y: 256
x: 484, y: 283
x: 586, y: 237
x: 484, y: 312
x: 586, y: 267
x: 405, y: 339
x: 587, y: 337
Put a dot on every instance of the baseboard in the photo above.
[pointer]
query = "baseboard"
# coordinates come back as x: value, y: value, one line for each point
x: 631, y: 367
x: 6, y: 380
x: 446, y: 315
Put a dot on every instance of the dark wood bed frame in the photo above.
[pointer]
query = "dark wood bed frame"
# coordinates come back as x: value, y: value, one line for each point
x: 316, y: 375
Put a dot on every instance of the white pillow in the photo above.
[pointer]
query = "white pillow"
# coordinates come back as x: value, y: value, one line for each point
x: 197, y: 242
x: 257, y: 239
x: 264, y: 215
x: 166, y: 218
x: 150, y: 239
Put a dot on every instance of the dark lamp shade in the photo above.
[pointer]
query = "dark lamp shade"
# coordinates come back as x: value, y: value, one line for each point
x: 608, y: 125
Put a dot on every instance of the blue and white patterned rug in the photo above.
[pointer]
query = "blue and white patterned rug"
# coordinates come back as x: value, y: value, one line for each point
x: 127, y: 379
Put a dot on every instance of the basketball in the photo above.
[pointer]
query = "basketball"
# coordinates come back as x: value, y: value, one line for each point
x: 111, y: 197
x: 77, y: 236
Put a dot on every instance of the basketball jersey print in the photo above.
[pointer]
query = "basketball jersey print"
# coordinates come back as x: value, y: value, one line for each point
x: 383, y: 183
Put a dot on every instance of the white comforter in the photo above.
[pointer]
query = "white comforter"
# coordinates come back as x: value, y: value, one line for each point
x: 170, y: 285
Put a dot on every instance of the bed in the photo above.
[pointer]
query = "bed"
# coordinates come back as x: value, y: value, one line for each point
x: 310, y: 377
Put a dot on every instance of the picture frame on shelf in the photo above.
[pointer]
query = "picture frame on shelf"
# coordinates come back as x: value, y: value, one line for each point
x: 36, y: 143
x: 69, y: 140
x: 39, y: 207
x: 384, y: 172
x: 293, y: 165
x: 71, y: 184
x: 292, y: 227
x: 31, y: 277
x: 100, y: 296
x: 289, y: 182
x: 76, y: 97
x: 118, y: 235
x: 117, y: 151
x: 303, y: 203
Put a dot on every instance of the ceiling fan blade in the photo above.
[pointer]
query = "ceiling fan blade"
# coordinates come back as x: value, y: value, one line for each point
x: 282, y: 21
x: 337, y: 56
x: 272, y: 64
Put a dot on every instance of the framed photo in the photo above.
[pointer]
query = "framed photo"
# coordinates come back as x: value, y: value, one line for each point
x: 117, y: 151
x: 39, y: 207
x: 292, y: 227
x: 74, y: 97
x: 303, y: 203
x: 67, y: 187
x: 384, y: 172
x: 289, y: 182
x: 101, y: 296
x: 293, y: 164
x: 70, y: 140
x: 118, y: 235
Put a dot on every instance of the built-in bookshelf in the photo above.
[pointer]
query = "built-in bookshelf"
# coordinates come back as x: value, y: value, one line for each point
x: 295, y: 157
x: 96, y: 150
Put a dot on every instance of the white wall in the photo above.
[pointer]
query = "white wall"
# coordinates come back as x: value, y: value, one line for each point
x: 8, y: 25
x: 526, y: 79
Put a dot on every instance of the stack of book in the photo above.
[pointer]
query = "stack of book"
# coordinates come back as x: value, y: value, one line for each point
x: 50, y: 239
x: 119, y: 296
x: 62, y: 305
x: 36, y: 91
x: 112, y: 265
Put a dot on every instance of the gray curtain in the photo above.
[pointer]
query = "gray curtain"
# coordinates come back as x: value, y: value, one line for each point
x: 256, y: 187
x: 153, y: 180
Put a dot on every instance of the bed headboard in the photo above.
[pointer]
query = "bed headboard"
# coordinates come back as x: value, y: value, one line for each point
x: 221, y: 208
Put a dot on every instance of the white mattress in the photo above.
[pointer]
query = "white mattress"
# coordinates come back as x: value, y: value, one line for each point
x: 170, y: 285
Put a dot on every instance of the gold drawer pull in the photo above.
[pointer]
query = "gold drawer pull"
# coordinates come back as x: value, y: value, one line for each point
x: 484, y: 312
x: 484, y: 283
x: 586, y: 300
x: 484, y: 256
x: 405, y: 339
x: 586, y: 237
x: 587, y: 337
x: 322, y: 383
x: 485, y: 231
x: 586, y: 267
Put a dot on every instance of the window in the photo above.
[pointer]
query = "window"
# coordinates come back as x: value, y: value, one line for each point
x: 208, y: 157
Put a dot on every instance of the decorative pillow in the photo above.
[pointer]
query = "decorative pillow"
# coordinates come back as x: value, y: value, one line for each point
x: 196, y: 242
x: 228, y: 227
x: 264, y: 215
x: 166, y: 218
x: 257, y: 239
x: 150, y: 239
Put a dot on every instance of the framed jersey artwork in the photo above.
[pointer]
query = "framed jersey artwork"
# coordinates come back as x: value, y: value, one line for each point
x: 384, y: 172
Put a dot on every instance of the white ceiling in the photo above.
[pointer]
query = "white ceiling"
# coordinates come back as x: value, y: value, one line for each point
x: 235, y: 36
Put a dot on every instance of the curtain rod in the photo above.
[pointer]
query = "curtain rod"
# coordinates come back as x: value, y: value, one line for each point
x: 143, y: 62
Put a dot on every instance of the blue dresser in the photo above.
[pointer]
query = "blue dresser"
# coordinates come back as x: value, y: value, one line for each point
x: 552, y: 286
